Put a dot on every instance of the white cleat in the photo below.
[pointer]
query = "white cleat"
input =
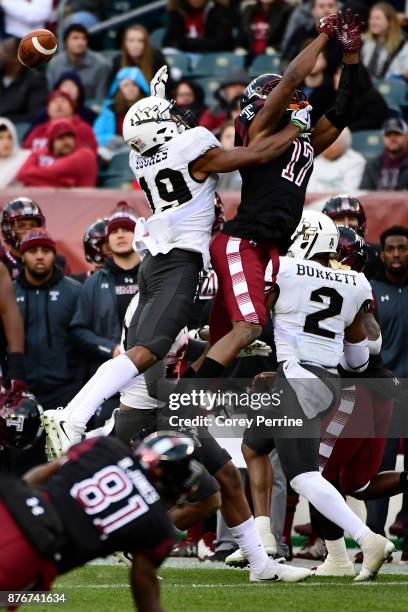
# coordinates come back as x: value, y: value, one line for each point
x: 330, y: 567
x: 238, y: 559
x: 61, y: 434
x: 376, y: 549
x: 279, y: 572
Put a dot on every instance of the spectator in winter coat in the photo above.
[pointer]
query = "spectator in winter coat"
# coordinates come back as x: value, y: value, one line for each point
x: 63, y: 163
x: 337, y: 164
x: 22, y: 16
x: 128, y: 87
x: 389, y: 171
x: 92, y: 67
x: 12, y: 156
x: 138, y: 52
x: 292, y: 45
x: 262, y: 26
x: 60, y: 105
x: 198, y: 26
x: 232, y: 86
x: 47, y: 302
x: 22, y: 91
x: 70, y: 83
x: 190, y: 97
x: 385, y: 51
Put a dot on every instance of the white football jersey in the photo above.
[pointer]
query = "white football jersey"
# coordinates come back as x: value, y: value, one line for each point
x: 314, y: 307
x: 182, y: 208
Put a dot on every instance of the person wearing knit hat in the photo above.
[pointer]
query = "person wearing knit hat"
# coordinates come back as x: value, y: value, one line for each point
x: 47, y: 300
x: 129, y: 86
x: 60, y: 106
x: 38, y: 237
x: 122, y: 217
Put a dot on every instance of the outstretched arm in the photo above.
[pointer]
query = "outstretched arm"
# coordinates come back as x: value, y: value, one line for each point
x: 339, y: 116
x: 220, y: 160
x: 279, y: 99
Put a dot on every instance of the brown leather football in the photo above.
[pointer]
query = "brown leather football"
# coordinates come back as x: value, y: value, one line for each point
x: 37, y: 47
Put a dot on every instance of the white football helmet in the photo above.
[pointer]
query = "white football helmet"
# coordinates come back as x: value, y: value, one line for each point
x: 316, y: 234
x: 150, y: 123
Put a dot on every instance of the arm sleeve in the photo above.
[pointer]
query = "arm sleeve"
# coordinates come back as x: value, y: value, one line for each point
x: 341, y: 114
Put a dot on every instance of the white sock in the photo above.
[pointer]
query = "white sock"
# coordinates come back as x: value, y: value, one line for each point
x: 263, y: 527
x: 327, y: 500
x: 108, y: 379
x: 337, y: 550
x: 250, y: 543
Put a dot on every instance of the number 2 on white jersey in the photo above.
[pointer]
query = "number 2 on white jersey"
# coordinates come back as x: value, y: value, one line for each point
x: 289, y: 171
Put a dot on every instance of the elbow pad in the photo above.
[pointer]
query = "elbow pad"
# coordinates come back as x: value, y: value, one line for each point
x: 341, y: 113
x: 374, y: 346
x: 355, y: 357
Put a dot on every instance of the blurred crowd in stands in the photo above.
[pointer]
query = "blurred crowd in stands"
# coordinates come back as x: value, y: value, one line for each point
x: 61, y: 127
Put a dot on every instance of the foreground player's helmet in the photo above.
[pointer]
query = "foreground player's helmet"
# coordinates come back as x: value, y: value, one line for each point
x: 315, y: 235
x: 94, y: 239
x: 259, y: 88
x: 352, y: 248
x: 167, y: 457
x: 20, y: 208
x: 344, y: 205
x: 20, y: 421
x: 152, y: 122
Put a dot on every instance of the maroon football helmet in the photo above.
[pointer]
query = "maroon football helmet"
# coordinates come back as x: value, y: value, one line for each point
x: 345, y: 205
x: 20, y: 208
x: 259, y: 88
x: 94, y: 239
x: 352, y: 248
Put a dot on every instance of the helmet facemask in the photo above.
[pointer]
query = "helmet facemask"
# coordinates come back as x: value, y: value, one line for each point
x: 147, y: 127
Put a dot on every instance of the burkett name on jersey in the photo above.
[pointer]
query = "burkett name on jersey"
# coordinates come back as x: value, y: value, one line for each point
x: 330, y: 275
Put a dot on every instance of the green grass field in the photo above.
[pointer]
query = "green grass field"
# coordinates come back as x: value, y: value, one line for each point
x: 103, y: 588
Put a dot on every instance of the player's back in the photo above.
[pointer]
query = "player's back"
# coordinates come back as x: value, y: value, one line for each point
x: 314, y: 307
x: 106, y: 503
x: 182, y: 207
x: 272, y: 194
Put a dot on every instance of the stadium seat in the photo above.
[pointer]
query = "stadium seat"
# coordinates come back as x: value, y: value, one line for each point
x: 368, y: 143
x: 265, y: 63
x: 118, y: 172
x: 156, y: 37
x: 218, y: 64
x: 395, y: 92
x: 209, y: 86
x: 110, y: 54
x: 180, y: 61
x: 22, y: 129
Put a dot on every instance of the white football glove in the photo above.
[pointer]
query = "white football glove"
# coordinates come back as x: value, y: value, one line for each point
x: 256, y: 349
x: 158, y: 83
x: 301, y: 118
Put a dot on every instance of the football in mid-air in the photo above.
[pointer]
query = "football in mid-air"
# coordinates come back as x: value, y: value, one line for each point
x: 37, y: 47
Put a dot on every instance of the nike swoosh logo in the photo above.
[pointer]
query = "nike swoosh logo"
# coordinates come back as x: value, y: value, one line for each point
x: 61, y: 424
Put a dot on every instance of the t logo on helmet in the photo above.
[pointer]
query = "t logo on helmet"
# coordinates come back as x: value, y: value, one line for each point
x: 17, y: 422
